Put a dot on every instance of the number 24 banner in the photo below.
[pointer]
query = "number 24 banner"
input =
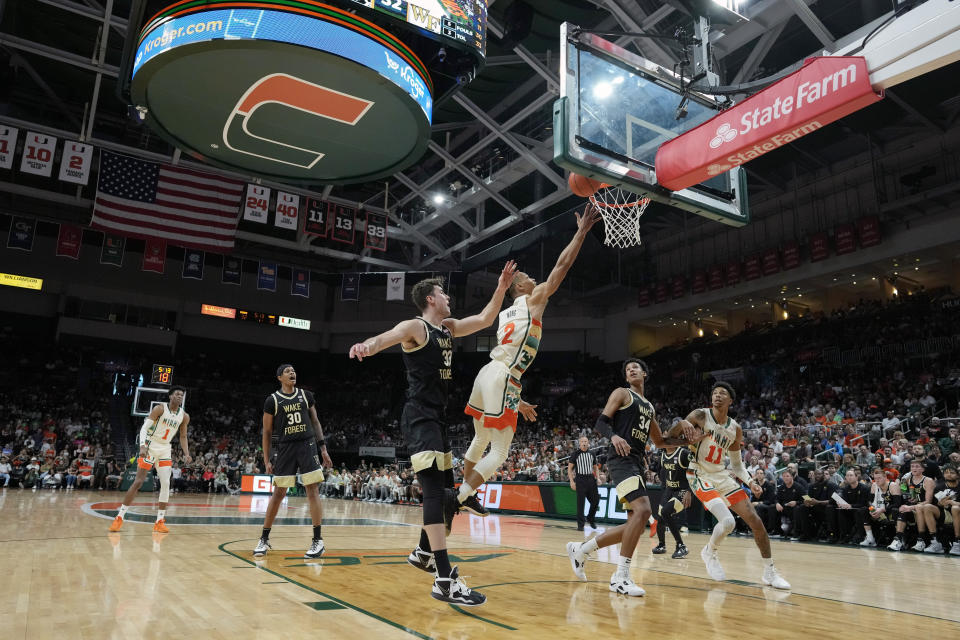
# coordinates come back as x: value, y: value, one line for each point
x: 376, y: 235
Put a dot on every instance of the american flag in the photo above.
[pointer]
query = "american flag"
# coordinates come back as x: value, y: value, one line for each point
x: 185, y: 207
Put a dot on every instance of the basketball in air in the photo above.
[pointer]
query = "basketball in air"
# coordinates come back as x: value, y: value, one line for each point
x: 582, y: 185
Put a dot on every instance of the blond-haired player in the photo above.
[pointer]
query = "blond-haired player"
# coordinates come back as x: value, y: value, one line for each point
x: 156, y: 447
x: 714, y: 435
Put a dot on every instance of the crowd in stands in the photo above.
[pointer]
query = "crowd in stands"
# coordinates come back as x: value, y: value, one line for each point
x: 817, y: 428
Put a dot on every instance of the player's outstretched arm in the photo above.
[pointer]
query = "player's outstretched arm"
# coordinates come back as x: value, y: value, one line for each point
x: 542, y: 292
x: 183, y: 438
x: 692, y: 426
x: 410, y: 332
x: 661, y: 442
x: 485, y: 318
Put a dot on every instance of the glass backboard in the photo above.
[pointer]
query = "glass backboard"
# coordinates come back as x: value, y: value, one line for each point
x: 615, y: 110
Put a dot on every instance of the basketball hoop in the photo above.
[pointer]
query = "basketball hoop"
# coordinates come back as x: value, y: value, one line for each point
x: 621, y: 211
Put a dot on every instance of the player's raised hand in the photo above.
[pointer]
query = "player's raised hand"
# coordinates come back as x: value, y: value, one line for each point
x: 359, y: 350
x: 528, y: 411
x: 506, y: 276
x: 589, y: 218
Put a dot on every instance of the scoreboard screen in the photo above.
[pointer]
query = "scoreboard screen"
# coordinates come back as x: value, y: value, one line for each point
x: 162, y: 374
x: 464, y: 21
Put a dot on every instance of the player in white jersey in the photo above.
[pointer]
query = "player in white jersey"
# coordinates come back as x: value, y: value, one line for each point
x: 495, y: 400
x: 156, y: 438
x: 713, y: 435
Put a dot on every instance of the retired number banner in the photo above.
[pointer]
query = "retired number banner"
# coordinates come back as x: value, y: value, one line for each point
x: 376, y: 236
x: 343, y: 223
x: 76, y: 161
x: 8, y: 144
x: 316, y: 223
x: 288, y: 211
x: 256, y: 205
x: 38, y: 154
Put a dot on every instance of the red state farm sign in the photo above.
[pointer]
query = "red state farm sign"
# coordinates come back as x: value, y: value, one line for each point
x: 822, y: 91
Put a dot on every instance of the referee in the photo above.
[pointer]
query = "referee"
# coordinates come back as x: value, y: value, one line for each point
x: 582, y: 470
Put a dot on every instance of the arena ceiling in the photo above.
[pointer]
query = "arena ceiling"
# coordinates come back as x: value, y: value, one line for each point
x: 491, y: 145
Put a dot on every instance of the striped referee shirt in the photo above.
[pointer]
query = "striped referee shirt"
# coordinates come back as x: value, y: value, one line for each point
x: 584, y: 461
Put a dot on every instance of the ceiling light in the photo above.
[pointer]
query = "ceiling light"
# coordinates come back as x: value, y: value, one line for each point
x: 437, y: 198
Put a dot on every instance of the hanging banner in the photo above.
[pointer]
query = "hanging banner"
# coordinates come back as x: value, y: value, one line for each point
x: 112, y: 251
x: 300, y: 283
x: 267, y: 276
x: 8, y: 144
x: 376, y: 235
x: 679, y: 286
x: 232, y: 270
x: 715, y: 277
x: 770, y: 262
x: 316, y: 223
x: 288, y: 211
x: 733, y: 273
x: 38, y: 150
x: 193, y: 264
x: 154, y: 255
x: 791, y: 256
x: 751, y: 268
x: 823, y: 90
x: 395, y: 284
x: 350, y: 287
x: 69, y: 239
x: 662, y: 292
x: 868, y: 229
x: 699, y: 282
x: 819, y: 246
x: 343, y: 222
x: 845, y: 239
x: 256, y: 205
x: 643, y: 297
x: 21, y: 233
x: 75, y: 162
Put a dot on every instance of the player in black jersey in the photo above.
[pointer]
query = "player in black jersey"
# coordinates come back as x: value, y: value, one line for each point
x: 676, y: 496
x: 945, y: 494
x: 427, y: 343
x: 629, y: 420
x: 290, y: 415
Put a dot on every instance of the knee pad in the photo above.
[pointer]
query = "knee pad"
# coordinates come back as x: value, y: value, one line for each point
x: 499, y: 449
x: 478, y: 445
x: 432, y: 482
x: 164, y: 474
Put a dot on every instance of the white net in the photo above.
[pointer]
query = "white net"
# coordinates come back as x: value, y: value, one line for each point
x: 621, y: 211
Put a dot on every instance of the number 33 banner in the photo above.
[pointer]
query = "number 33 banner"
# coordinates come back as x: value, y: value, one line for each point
x: 38, y: 154
x: 376, y: 236
x: 75, y: 163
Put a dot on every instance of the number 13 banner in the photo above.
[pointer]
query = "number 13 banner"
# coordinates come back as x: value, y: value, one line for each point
x: 288, y: 211
x: 376, y: 236
x: 343, y: 223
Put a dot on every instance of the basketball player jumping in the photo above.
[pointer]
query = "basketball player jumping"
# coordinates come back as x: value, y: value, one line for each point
x: 156, y: 437
x: 427, y: 343
x: 713, y: 434
x: 495, y: 400
x: 297, y: 444
x: 629, y: 420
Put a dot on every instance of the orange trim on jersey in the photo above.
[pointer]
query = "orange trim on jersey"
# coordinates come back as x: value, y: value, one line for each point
x: 165, y: 463
x: 143, y: 464
x: 706, y: 496
x: 471, y: 411
x: 536, y: 322
x: 737, y: 496
x: 507, y: 419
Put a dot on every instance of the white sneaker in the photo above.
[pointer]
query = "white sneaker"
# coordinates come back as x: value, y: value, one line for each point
x: 316, y: 549
x: 262, y: 547
x: 896, y: 545
x: 714, y: 568
x: 955, y: 548
x: 919, y: 546
x: 934, y: 547
x: 868, y: 542
x: 577, y: 561
x: 624, y: 585
x: 772, y: 578
x: 455, y: 591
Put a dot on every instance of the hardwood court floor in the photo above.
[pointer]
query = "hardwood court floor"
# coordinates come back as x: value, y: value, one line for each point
x: 64, y: 576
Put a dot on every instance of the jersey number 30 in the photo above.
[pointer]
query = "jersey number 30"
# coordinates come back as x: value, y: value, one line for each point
x: 293, y: 418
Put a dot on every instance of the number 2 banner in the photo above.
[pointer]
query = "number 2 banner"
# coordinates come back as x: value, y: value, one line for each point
x: 8, y: 144
x: 38, y: 152
x: 288, y: 211
x: 255, y: 207
x: 343, y: 223
x: 76, y: 161
x: 376, y: 235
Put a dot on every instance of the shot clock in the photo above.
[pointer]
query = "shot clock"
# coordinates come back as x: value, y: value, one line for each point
x: 162, y: 374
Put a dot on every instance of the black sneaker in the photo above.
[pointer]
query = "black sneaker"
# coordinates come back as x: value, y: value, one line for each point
x: 593, y: 524
x: 451, y: 506
x: 422, y: 560
x: 660, y: 548
x: 681, y: 551
x: 472, y: 504
x: 455, y: 591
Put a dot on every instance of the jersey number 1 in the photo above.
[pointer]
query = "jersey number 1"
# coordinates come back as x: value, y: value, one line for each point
x: 719, y: 455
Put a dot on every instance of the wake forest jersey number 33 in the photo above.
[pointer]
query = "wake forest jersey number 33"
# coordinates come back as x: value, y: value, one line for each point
x: 291, y: 414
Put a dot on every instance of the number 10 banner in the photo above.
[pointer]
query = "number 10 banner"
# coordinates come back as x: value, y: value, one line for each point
x: 38, y: 152
x: 376, y: 235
